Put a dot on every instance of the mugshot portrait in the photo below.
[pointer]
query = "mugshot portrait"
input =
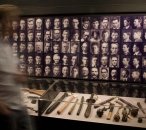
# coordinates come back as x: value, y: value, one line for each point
x: 113, y: 74
x: 105, y: 35
x: 104, y: 73
x: 84, y: 48
x: 38, y: 59
x: 136, y: 75
x: 95, y: 48
x: 84, y: 60
x: 15, y: 25
x: 95, y: 36
x: 38, y: 70
x: 22, y: 24
x: 75, y: 22
x: 22, y: 58
x: 74, y: 60
x: 38, y: 36
x: 57, y: 23
x: 48, y: 23
x: 105, y: 22
x: 144, y: 75
x: 137, y: 35
x: 115, y: 35
x: 15, y: 36
x: 22, y: 68
x: 94, y: 73
x: 47, y: 71
x: 65, y: 47
x: 56, y: 35
x: 65, y: 59
x: 65, y: 35
x: 127, y: 35
x: 124, y: 74
x: 22, y: 36
x: 47, y: 35
x: 30, y: 59
x: 65, y: 71
x: 15, y: 47
x: 84, y: 72
x: 127, y: 22
x: 136, y: 62
x: 56, y: 59
x: 56, y: 48
x: 30, y: 36
x: 126, y: 49
x: 104, y: 61
x: 137, y: 22
x: 56, y: 71
x: 114, y: 48
x: 85, y: 23
x: 65, y: 23
x: 94, y: 61
x: 144, y: 62
x: 30, y: 23
x: 126, y: 62
x: 85, y: 35
x: 114, y: 61
x: 115, y: 22
x: 22, y: 47
x: 75, y: 35
x: 136, y: 49
x: 48, y: 59
x: 38, y: 23
x: 75, y: 46
x: 38, y: 47
x: 95, y: 23
x: 74, y: 72
x: 47, y: 47
x: 30, y: 70
x: 104, y: 48
x: 30, y: 47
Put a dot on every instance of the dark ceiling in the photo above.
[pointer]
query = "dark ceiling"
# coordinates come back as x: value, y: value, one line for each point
x: 32, y: 7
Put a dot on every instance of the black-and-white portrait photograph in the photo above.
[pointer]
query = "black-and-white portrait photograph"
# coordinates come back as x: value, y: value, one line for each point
x: 105, y: 35
x: 94, y: 73
x: 48, y: 59
x: 126, y: 49
x: 56, y: 35
x: 65, y: 47
x: 136, y: 62
x: 48, y: 23
x: 30, y: 59
x: 74, y: 60
x: 127, y: 36
x: 84, y: 71
x: 38, y: 47
x: 105, y: 22
x: 39, y: 23
x: 56, y: 48
x: 30, y: 47
x: 30, y: 24
x: 56, y: 59
x: 136, y: 75
x: 104, y: 61
x: 85, y: 48
x: 126, y: 62
x: 84, y: 60
x: 113, y: 74
x: 38, y: 70
x: 65, y: 35
x: 95, y: 23
x: 85, y: 35
x: 75, y: 22
x: 137, y: 22
x: 74, y: 47
x: 104, y: 73
x: 115, y: 22
x: 47, y: 35
x: 125, y: 74
x: 136, y: 48
x: 74, y: 72
x: 115, y: 35
x: 95, y: 48
x: 47, y: 71
x: 65, y: 23
x: 15, y: 47
x: 127, y: 22
x: 137, y: 36
x: 15, y: 25
x: 38, y: 36
x: 22, y: 59
x: 144, y: 49
x: 104, y: 48
x: 15, y: 37
x: 22, y: 36
x: 47, y: 47
x: 65, y: 71
x: 22, y: 47
x: 75, y: 35
x: 30, y: 70
x: 65, y: 59
x: 57, y: 23
x: 22, y: 68
x: 114, y: 48
x: 95, y: 36
x: 85, y: 23
x: 114, y: 61
x: 144, y: 75
x: 56, y: 71
x: 30, y: 36
x: 22, y: 24
x: 94, y: 61
x: 38, y: 59
x: 144, y: 62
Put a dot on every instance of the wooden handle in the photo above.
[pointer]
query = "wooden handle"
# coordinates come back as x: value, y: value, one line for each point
x: 65, y: 105
x: 109, y: 115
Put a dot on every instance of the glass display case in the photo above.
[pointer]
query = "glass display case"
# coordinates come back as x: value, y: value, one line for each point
x: 97, y: 102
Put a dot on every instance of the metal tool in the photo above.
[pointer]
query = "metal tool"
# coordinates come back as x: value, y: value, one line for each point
x: 90, y: 101
x: 56, y: 103
x: 110, y: 111
x: 81, y: 105
x: 104, y: 102
x: 141, y: 108
x: 72, y: 108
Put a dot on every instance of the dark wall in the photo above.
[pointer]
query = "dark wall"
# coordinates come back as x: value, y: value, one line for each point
x: 41, y: 7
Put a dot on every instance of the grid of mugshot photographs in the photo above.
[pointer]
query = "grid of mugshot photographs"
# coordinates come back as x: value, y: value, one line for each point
x: 82, y: 47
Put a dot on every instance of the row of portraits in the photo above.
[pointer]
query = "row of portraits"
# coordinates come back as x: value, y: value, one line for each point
x: 94, y: 73
x: 81, y: 22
